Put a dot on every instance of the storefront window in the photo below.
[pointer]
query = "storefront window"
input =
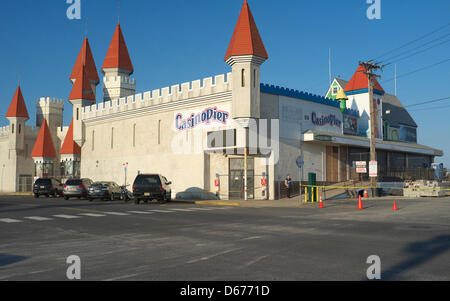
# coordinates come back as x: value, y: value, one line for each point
x: 43, y: 169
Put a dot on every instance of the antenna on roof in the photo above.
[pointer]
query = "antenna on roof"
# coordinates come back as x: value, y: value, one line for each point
x: 87, y: 19
x: 329, y: 64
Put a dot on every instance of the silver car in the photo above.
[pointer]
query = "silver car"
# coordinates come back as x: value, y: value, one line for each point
x: 76, y: 188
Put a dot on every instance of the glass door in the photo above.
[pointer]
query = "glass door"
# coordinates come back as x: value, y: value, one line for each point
x: 236, y: 179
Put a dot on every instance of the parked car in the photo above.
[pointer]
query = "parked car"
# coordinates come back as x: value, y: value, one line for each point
x: 76, y: 188
x: 104, y: 190
x: 47, y: 187
x: 147, y: 187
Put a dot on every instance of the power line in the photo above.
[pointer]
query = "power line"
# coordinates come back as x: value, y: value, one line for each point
x: 417, y: 52
x: 427, y: 102
x: 418, y: 70
x: 411, y: 42
x: 432, y: 108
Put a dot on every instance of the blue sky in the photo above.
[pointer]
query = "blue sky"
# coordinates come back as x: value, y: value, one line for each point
x: 177, y: 41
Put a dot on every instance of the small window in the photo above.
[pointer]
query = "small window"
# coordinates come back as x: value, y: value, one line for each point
x: 112, y: 138
x: 159, y: 132
x: 243, y: 78
x: 12, y: 128
x: 93, y: 140
x: 20, y: 128
x: 78, y: 113
x: 254, y: 78
x: 134, y: 135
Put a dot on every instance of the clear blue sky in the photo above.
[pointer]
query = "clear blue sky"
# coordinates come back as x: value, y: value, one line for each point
x: 172, y: 42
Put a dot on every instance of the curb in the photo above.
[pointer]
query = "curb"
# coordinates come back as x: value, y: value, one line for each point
x: 16, y: 194
x: 216, y: 203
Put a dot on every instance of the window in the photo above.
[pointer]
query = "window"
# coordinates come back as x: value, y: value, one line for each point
x: 159, y: 131
x: 20, y: 128
x: 134, y: 135
x: 335, y: 90
x: 254, y: 78
x: 12, y: 128
x: 112, y: 138
x: 243, y: 78
x: 78, y: 112
x: 93, y: 140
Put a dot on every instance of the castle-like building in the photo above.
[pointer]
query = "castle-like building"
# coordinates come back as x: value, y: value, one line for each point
x: 200, y: 134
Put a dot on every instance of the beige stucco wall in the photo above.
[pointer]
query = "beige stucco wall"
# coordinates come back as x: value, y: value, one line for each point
x: 144, y: 140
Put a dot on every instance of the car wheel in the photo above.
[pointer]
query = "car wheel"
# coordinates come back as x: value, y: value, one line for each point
x: 136, y: 201
x: 36, y: 196
x: 66, y: 198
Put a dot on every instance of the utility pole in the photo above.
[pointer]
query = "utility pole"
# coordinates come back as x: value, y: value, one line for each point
x: 370, y: 67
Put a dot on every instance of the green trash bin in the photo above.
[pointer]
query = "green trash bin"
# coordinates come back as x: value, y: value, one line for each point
x: 312, y: 180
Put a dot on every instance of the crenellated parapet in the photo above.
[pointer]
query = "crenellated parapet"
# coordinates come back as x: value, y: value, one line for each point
x: 48, y: 101
x: 198, y: 88
x: 277, y: 90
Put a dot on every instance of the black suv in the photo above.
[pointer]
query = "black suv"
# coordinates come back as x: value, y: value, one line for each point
x: 149, y: 187
x: 47, y: 187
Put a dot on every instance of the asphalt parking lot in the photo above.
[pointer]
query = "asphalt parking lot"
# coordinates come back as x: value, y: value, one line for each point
x: 177, y: 241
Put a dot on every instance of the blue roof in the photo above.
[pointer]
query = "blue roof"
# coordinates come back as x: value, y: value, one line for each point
x: 277, y: 90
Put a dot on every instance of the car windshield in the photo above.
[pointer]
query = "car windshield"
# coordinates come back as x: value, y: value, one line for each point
x: 43, y: 182
x: 74, y: 182
x: 149, y: 180
x: 102, y: 184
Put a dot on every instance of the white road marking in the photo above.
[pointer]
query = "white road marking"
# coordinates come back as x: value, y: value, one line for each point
x: 92, y: 214
x: 161, y: 211
x: 206, y: 209
x: 140, y: 212
x: 10, y: 220
x: 66, y: 216
x: 116, y: 213
x: 183, y: 210
x: 39, y: 218
x: 212, y: 256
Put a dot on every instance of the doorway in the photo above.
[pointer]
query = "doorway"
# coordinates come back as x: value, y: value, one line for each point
x: 236, y: 178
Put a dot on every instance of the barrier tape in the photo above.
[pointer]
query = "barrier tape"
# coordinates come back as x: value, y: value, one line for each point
x: 350, y: 187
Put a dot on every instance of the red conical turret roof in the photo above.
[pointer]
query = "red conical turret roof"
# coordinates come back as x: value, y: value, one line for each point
x: 246, y: 39
x: 43, y: 147
x: 69, y: 146
x: 85, y: 59
x: 82, y: 88
x: 360, y: 81
x: 17, y: 108
x: 117, y: 55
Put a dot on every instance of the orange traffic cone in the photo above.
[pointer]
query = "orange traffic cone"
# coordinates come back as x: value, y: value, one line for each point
x: 321, y: 203
x: 366, y: 195
x: 360, y: 205
x: 395, y: 206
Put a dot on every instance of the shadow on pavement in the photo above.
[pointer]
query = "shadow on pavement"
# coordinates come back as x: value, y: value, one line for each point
x: 419, y: 253
x: 6, y: 259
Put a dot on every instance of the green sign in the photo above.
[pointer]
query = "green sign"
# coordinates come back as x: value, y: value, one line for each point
x: 324, y: 138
